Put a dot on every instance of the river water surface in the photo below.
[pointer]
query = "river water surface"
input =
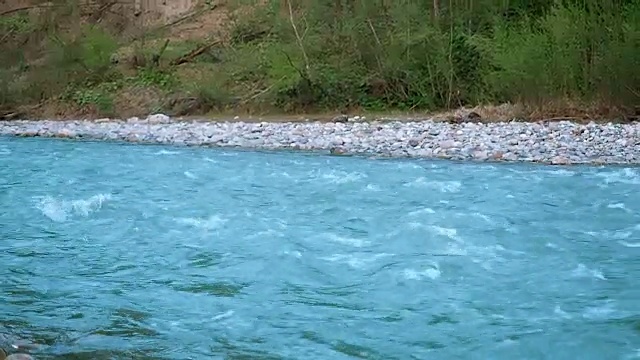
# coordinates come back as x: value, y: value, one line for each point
x: 112, y: 251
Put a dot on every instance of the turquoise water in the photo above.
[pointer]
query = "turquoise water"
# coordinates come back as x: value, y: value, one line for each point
x: 113, y: 251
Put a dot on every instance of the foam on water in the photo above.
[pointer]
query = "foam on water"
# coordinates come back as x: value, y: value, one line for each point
x: 59, y: 210
x: 442, y: 186
x: 355, y: 261
x: 630, y: 245
x: 167, y: 152
x: 423, y: 211
x: 346, y: 240
x: 446, y: 232
x: 432, y: 272
x: 372, y: 187
x: 582, y: 271
x: 621, y: 206
x: 623, y: 176
x: 342, y: 177
x: 190, y: 175
x: 130, y: 251
x: 209, y: 223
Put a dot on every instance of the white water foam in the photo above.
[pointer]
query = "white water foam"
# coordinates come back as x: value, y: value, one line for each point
x: 4, y: 151
x: 624, y: 176
x: 442, y: 186
x: 190, y: 175
x: 617, y: 235
x: 166, y: 152
x: 561, y: 313
x: 295, y: 253
x: 342, y: 177
x: 210, y: 223
x: 617, y: 206
x: 582, y: 271
x: 372, y: 187
x: 422, y: 212
x: 629, y: 245
x: 59, y: 210
x: 446, y: 232
x: 455, y: 250
x: 635, y: 355
x: 347, y: 240
x: 408, y: 165
x: 560, y: 172
x: 225, y: 315
x: 483, y: 217
x: 554, y: 246
x: 356, y: 262
x: 268, y: 233
x: 599, y: 312
x: 433, y: 272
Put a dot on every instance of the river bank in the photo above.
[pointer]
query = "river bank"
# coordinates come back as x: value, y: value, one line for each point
x: 558, y: 143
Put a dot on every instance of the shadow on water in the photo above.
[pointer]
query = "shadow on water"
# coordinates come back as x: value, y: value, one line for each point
x: 205, y: 260
x: 351, y: 350
x: 127, y: 323
x: 233, y: 351
x: 222, y: 289
x: 105, y: 355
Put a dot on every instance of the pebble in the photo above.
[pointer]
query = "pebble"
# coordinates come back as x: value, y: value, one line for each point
x: 19, y: 357
x: 557, y: 143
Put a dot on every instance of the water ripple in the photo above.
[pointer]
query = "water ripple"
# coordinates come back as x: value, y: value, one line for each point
x: 114, y: 251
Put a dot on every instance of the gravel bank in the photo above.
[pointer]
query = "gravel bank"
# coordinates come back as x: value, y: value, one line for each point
x: 559, y: 143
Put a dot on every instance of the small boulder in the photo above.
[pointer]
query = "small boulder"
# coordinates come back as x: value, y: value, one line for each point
x: 337, y: 151
x: 340, y: 119
x: 158, y: 119
x: 560, y: 160
x: 498, y: 155
x: 414, y: 142
x: 472, y: 117
x: 66, y: 134
x: 447, y: 144
x: 19, y: 357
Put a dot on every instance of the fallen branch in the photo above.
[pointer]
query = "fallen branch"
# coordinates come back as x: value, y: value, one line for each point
x: 188, y: 57
x: 174, y: 22
x: 95, y: 17
x: 5, y: 36
x: 261, y: 92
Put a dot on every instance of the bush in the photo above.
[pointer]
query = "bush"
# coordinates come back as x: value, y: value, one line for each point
x: 381, y: 55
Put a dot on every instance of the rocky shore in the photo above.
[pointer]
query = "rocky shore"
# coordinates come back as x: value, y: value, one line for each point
x: 559, y: 143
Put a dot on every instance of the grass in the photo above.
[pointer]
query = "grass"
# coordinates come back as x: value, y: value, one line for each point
x: 544, y: 59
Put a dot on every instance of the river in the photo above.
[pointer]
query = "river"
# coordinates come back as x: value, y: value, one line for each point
x: 115, y: 251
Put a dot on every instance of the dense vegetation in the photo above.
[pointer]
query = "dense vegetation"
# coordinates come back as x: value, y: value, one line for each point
x: 555, y: 57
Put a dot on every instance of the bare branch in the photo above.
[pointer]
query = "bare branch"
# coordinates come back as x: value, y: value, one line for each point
x: 299, y: 40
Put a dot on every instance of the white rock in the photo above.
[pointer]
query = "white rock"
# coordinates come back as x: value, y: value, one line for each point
x: 158, y: 119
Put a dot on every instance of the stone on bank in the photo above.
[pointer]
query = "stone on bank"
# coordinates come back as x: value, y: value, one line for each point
x: 557, y: 143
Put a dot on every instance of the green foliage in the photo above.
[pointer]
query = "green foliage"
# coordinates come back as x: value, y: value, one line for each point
x: 152, y: 76
x: 18, y: 24
x: 381, y: 55
x: 336, y: 55
x: 102, y: 101
x: 84, y: 59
